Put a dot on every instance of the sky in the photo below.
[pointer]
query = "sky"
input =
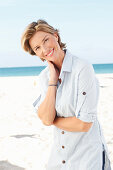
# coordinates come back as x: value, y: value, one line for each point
x: 86, y: 26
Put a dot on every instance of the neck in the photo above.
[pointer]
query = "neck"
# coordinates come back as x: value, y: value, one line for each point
x: 59, y: 62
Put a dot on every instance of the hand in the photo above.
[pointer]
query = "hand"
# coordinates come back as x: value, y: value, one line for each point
x: 55, y: 120
x: 54, y: 72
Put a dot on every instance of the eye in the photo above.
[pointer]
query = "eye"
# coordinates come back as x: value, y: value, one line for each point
x: 46, y: 39
x: 37, y: 48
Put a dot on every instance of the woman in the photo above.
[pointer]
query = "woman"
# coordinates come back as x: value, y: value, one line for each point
x: 67, y: 99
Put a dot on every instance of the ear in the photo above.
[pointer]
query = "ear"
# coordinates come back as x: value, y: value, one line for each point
x: 56, y: 36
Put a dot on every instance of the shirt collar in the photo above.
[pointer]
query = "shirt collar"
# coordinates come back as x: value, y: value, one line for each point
x: 67, y: 63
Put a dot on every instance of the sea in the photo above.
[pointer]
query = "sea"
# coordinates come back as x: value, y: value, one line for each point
x: 35, y: 71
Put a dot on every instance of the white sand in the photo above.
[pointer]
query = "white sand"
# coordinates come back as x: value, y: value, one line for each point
x: 25, y: 142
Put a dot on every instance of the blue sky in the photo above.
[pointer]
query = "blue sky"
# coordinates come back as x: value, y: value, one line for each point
x: 86, y: 26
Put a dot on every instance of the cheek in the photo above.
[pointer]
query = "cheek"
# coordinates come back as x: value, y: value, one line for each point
x: 39, y: 55
x: 55, y: 43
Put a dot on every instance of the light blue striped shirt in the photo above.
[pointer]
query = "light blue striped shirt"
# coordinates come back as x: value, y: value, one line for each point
x: 77, y: 95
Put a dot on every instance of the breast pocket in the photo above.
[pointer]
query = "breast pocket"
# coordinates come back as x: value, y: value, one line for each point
x: 65, y: 102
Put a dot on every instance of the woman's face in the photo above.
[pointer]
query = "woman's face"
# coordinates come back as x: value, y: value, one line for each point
x: 45, y: 45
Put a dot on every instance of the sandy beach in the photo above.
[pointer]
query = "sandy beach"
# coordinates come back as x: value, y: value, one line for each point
x: 25, y: 142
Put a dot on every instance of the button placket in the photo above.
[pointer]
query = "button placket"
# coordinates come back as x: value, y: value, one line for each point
x: 59, y: 88
x: 63, y: 161
x: 63, y: 132
x: 61, y: 77
x: 57, y: 97
x: 84, y: 93
x: 58, y: 94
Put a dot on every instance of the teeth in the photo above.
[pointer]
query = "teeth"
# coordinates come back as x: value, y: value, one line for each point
x: 50, y: 53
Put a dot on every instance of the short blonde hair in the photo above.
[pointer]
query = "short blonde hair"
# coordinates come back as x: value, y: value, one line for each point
x: 32, y: 28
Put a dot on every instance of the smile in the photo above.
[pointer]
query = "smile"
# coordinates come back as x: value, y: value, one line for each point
x: 50, y: 53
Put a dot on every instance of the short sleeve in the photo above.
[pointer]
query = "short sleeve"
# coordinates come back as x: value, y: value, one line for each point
x: 87, y: 94
x: 40, y: 95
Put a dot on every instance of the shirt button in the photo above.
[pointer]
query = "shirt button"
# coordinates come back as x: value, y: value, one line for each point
x: 84, y: 93
x: 63, y: 147
x: 62, y: 132
x: 63, y: 161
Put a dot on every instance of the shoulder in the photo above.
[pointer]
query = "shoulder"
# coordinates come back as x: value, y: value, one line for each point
x: 44, y: 73
x: 80, y: 64
x: 43, y: 78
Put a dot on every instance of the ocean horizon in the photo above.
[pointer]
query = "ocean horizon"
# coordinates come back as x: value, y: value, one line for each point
x: 35, y: 70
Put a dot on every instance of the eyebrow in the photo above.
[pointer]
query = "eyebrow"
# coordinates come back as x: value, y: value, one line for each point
x: 42, y: 41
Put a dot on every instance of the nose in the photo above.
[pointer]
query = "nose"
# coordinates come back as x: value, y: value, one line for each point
x: 44, y: 50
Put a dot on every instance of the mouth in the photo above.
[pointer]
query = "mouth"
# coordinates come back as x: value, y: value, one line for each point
x: 50, y: 53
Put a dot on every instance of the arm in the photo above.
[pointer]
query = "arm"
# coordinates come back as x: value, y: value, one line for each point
x: 46, y: 110
x: 85, y: 112
x: 72, y: 124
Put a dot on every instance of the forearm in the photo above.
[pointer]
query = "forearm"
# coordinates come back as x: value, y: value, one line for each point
x: 71, y: 124
x: 46, y: 111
